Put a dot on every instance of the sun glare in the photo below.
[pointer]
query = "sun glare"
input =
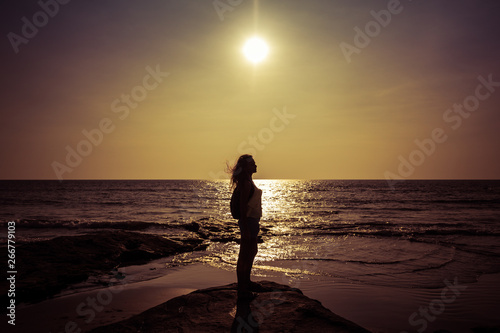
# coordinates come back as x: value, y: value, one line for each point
x: 255, y: 50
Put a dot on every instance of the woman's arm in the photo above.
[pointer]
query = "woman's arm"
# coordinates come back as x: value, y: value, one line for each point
x: 245, y: 189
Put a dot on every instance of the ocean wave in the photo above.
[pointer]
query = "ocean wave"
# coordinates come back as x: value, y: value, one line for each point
x: 118, y: 203
x: 294, y: 226
x: 408, y: 234
x: 75, y: 224
x: 362, y: 262
x: 468, y: 201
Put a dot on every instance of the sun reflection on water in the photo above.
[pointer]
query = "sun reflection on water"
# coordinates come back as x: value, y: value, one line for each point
x: 280, y: 202
x: 352, y: 230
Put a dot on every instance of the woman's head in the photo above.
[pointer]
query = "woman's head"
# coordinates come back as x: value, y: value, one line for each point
x: 243, y: 169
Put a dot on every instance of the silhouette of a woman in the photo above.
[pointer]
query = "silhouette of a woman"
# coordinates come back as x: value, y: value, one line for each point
x: 250, y: 214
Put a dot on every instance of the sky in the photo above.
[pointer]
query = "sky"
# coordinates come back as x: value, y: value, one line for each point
x: 160, y: 89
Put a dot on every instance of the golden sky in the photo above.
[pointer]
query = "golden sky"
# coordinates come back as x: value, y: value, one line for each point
x: 349, y: 90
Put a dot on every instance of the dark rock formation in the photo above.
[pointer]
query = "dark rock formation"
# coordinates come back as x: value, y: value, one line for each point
x: 277, y: 308
x: 47, y: 267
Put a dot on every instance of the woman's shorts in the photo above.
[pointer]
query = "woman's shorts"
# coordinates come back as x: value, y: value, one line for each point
x: 251, y: 227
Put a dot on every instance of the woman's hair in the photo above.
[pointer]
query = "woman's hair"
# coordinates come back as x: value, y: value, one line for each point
x: 239, y: 171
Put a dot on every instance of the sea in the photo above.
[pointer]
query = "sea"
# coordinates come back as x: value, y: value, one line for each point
x: 423, y: 255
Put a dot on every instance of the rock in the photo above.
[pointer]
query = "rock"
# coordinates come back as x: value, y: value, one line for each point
x: 277, y: 308
x: 193, y: 226
x: 47, y: 267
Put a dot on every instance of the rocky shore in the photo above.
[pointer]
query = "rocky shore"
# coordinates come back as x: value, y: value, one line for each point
x: 277, y: 308
x: 48, y: 267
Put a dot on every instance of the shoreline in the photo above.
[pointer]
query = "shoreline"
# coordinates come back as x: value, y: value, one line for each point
x: 371, y: 307
x: 123, y: 302
x: 95, y: 308
x: 48, y: 267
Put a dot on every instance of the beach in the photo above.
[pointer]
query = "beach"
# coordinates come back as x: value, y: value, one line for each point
x: 126, y: 300
x: 377, y: 309
x: 389, y: 261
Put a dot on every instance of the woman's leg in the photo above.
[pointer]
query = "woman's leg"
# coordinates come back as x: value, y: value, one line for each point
x: 244, y: 265
x: 248, y: 251
x: 252, y: 254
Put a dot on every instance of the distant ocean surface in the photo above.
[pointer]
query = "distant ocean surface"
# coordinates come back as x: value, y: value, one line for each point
x: 416, y: 236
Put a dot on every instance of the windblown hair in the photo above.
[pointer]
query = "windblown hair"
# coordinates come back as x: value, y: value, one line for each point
x: 239, y: 171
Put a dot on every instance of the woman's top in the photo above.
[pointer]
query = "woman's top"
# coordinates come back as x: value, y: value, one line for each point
x: 254, y: 204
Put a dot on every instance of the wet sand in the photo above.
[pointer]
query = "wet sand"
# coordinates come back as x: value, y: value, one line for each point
x: 379, y: 309
x: 116, y: 303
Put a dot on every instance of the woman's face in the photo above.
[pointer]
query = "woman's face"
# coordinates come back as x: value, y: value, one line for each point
x: 252, y: 167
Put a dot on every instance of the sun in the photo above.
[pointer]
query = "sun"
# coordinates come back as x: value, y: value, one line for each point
x: 255, y: 50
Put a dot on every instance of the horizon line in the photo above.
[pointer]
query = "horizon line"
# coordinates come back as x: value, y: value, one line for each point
x: 218, y: 179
